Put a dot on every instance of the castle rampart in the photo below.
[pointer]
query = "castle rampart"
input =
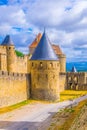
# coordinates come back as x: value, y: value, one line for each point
x: 76, y: 80
x: 14, y: 88
x: 41, y: 75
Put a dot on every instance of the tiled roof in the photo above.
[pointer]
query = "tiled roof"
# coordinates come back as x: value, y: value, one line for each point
x: 36, y: 41
x: 7, y: 41
x: 44, y: 50
x: 57, y: 49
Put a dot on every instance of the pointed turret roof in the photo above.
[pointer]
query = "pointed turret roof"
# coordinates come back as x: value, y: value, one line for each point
x: 44, y: 50
x: 73, y: 69
x: 7, y: 41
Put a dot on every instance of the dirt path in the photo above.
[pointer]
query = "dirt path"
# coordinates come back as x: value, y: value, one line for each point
x: 33, y: 116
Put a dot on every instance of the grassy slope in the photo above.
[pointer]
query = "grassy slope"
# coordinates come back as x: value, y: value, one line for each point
x: 72, y: 114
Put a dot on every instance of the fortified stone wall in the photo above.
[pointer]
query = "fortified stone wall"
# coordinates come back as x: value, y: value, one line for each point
x: 62, y: 81
x: 14, y: 88
x: 22, y: 64
x: 9, y: 61
x: 76, y: 81
x: 3, y: 58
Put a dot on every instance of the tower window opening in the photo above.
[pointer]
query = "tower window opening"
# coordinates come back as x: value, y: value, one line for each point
x: 46, y: 76
x: 41, y: 64
x: 51, y: 64
x: 32, y: 64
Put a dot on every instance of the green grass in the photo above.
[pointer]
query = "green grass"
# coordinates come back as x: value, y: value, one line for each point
x: 15, y: 106
x: 18, y: 53
x: 71, y: 94
x: 18, y: 105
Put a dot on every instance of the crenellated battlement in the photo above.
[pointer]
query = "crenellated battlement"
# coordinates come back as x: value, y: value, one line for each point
x: 20, y: 58
x: 14, y: 88
x: 76, y: 73
x: 76, y: 80
x: 4, y: 74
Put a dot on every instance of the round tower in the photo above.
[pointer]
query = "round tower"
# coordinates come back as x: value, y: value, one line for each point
x: 10, y: 58
x: 44, y: 71
x: 10, y: 53
x: 62, y: 60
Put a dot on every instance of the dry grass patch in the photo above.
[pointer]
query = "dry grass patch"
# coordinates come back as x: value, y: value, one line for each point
x: 71, y: 94
x: 18, y: 105
x: 15, y: 106
x: 63, y: 119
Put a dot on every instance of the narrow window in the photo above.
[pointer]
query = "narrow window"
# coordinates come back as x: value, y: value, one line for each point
x: 32, y: 64
x: 51, y: 65
x: 41, y: 64
x: 46, y: 76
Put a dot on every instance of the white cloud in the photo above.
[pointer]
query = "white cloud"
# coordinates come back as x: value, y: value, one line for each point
x: 65, y: 20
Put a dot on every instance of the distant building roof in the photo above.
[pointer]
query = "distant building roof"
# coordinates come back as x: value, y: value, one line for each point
x: 57, y: 49
x: 36, y: 41
x: 44, y: 50
x: 73, y: 69
x: 7, y: 41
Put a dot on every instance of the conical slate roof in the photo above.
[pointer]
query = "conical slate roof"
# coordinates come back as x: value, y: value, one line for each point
x: 73, y: 69
x: 44, y: 50
x: 7, y: 41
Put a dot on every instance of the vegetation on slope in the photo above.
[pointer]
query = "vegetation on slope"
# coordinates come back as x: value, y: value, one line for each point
x: 18, y: 53
x: 64, y: 119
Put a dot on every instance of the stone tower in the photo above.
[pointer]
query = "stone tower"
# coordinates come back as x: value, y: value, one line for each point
x: 56, y: 48
x: 44, y: 71
x: 10, y: 52
x: 62, y: 60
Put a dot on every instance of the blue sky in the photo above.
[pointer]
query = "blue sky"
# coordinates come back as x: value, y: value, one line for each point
x: 65, y: 22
